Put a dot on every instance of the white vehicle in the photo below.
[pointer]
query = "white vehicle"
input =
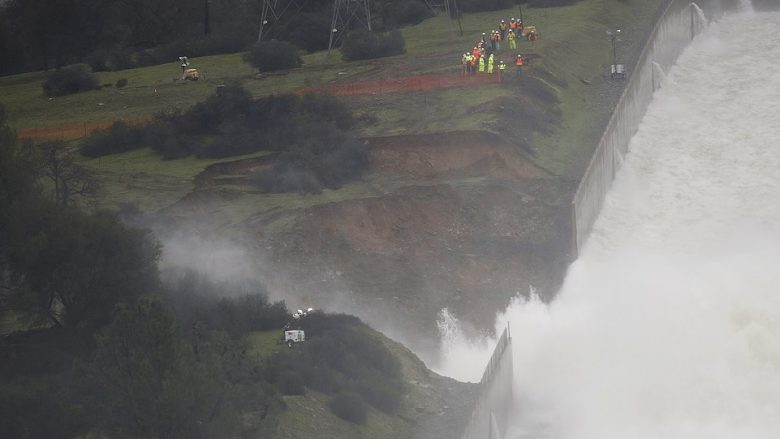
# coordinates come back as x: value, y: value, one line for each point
x: 293, y: 333
x: 293, y: 336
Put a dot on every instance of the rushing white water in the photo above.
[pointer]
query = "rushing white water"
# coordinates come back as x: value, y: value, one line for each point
x: 668, y: 326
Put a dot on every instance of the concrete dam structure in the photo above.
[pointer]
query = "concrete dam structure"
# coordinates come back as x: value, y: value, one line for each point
x: 667, y: 325
x: 679, y: 24
x: 492, y: 412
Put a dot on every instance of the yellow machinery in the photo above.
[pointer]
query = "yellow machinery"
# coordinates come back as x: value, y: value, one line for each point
x: 190, y: 75
x: 530, y: 33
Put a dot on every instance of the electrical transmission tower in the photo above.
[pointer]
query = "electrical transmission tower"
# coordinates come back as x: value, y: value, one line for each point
x: 272, y: 12
x: 344, y: 12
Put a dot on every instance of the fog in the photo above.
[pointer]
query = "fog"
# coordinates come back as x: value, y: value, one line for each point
x: 234, y: 262
x: 668, y: 326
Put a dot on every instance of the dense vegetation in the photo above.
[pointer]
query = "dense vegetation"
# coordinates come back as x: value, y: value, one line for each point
x: 103, y: 346
x: 343, y: 361
x: 309, y: 132
x: 70, y: 80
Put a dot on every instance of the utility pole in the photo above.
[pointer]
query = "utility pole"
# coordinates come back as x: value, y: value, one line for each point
x: 520, y: 7
x: 617, y: 70
x: 344, y: 12
x: 614, y: 37
x: 206, y: 19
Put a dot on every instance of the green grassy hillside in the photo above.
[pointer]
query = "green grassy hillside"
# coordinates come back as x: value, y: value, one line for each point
x: 571, y: 59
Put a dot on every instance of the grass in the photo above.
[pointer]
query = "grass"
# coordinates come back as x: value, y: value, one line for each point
x: 154, y: 88
x: 573, y: 51
x: 308, y: 415
x: 139, y: 177
x: 262, y: 344
x: 322, y: 423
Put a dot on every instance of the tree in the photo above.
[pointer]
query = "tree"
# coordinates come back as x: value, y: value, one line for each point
x: 149, y: 383
x: 71, y: 268
x: 18, y: 186
x: 69, y: 180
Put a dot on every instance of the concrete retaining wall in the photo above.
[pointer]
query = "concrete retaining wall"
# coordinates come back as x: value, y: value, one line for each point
x: 679, y: 23
x: 491, y: 413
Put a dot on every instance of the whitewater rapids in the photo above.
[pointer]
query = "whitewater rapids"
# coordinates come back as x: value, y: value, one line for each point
x: 668, y: 326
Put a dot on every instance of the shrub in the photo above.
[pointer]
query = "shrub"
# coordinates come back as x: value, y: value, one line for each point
x: 69, y: 80
x: 121, y: 82
x: 120, y: 137
x: 349, y: 407
x: 268, y: 56
x: 309, y: 130
x: 321, y: 157
x: 341, y: 356
x: 367, y: 45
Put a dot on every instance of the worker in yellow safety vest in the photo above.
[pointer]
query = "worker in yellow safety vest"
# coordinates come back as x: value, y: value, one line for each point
x: 490, y: 64
x: 481, y: 64
x: 501, y: 68
x: 512, y: 40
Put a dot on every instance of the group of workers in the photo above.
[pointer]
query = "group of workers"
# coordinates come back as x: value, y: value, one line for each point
x: 482, y: 57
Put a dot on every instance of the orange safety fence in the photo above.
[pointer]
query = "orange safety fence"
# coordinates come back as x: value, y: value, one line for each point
x: 70, y: 131
x: 78, y: 130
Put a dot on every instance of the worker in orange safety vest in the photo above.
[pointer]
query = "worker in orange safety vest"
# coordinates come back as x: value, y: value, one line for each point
x: 519, y: 63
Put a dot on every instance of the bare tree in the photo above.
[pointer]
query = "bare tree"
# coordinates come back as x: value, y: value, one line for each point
x: 69, y: 180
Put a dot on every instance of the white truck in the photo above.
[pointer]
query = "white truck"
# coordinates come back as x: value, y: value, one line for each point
x: 293, y: 333
x: 292, y: 336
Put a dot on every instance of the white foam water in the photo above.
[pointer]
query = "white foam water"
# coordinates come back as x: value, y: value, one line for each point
x: 668, y: 326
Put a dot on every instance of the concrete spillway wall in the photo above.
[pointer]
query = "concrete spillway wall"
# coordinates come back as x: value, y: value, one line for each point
x: 679, y: 22
x: 490, y: 417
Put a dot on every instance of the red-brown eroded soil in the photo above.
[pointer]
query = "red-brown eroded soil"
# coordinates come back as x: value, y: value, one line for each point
x: 473, y: 226
x: 451, y: 154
